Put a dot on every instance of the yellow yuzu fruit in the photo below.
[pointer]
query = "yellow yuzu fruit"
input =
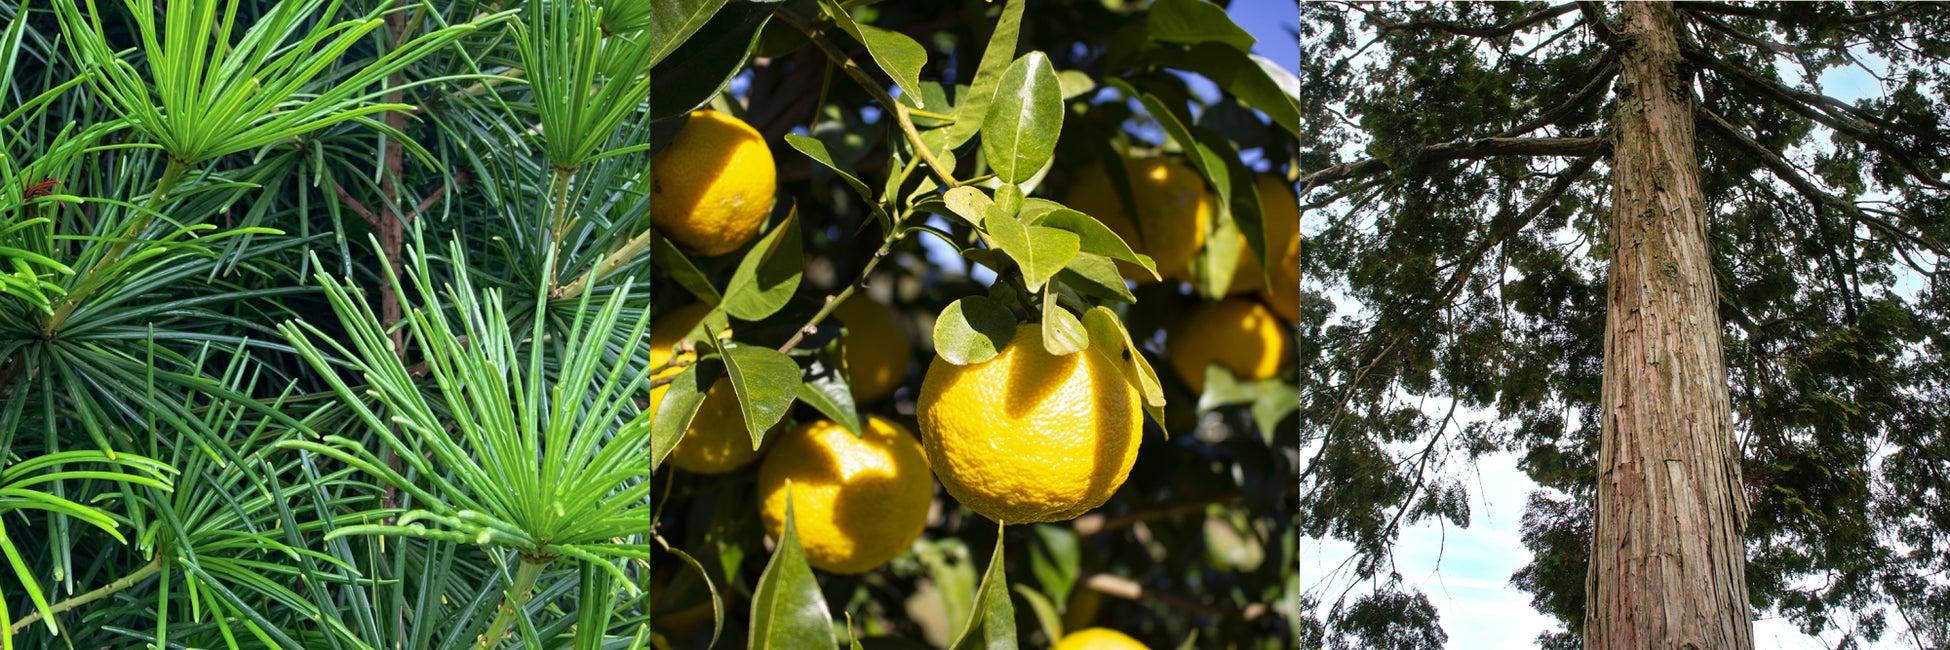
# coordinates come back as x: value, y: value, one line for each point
x: 712, y: 187
x: 1282, y: 293
x: 1173, y: 211
x: 1238, y: 333
x: 677, y: 623
x: 666, y: 329
x: 1027, y: 436
x: 856, y: 502
x: 877, y: 347
x: 1098, y: 638
x: 716, y: 441
x: 1279, y: 214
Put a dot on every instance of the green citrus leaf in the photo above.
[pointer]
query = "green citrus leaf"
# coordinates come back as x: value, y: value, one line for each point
x: 1254, y: 80
x: 898, y: 55
x: 969, y: 203
x: 996, y: 58
x: 1024, y: 118
x: 816, y: 150
x: 766, y: 381
x: 1095, y: 276
x: 972, y: 330
x: 1056, y: 560
x: 680, y: 401
x: 1062, y: 333
x: 788, y: 610
x: 993, y: 627
x: 1046, y: 616
x: 1074, y: 82
x: 1109, y: 338
x: 666, y: 256
x: 1096, y: 238
x: 827, y: 392
x: 714, y: 53
x: 769, y: 274
x: 1195, y: 21
x: 673, y: 21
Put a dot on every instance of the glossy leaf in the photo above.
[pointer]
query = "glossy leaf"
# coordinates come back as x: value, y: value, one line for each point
x: 1097, y: 239
x: 708, y: 60
x: 666, y: 256
x: 1024, y: 118
x: 679, y: 405
x: 816, y: 150
x: 826, y: 392
x: 1045, y: 612
x: 673, y: 21
x: 1062, y: 333
x: 1109, y: 338
x: 899, y: 56
x: 969, y: 203
x: 1074, y: 82
x: 972, y: 330
x: 1001, y: 51
x: 769, y: 274
x: 788, y: 609
x: 1195, y: 21
x: 1255, y: 81
x: 766, y: 381
x: 993, y: 625
x: 1095, y: 276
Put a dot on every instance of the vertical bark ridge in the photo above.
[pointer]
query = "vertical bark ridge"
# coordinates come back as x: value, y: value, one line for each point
x: 1668, y: 564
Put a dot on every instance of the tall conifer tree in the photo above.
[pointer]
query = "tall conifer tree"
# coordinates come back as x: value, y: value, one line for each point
x: 1699, y: 294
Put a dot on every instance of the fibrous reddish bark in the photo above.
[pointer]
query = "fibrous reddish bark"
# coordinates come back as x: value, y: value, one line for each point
x: 1668, y: 563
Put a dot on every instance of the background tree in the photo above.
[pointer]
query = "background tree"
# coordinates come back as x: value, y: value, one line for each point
x: 1507, y: 206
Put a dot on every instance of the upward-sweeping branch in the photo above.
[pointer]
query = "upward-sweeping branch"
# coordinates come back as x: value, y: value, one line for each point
x: 1833, y: 113
x: 1821, y: 199
x: 1492, y: 31
x: 1466, y: 149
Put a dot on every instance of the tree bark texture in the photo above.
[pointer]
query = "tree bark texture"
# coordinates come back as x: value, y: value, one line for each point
x: 1668, y: 563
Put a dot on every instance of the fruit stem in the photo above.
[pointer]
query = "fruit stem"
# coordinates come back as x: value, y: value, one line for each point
x: 833, y: 301
x: 516, y: 597
x: 902, y: 113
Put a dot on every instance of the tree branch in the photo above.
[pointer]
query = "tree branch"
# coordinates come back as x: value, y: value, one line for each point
x: 1855, y: 124
x: 1465, y: 149
x: 1600, y: 82
x: 1128, y: 589
x: 1821, y: 199
x: 1594, y: 15
x: 1460, y: 29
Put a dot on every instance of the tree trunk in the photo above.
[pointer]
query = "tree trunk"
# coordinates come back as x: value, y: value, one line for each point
x: 1668, y: 561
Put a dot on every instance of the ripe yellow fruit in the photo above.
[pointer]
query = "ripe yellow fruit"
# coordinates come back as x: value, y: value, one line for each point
x: 1173, y: 211
x: 1282, y: 293
x: 716, y: 441
x: 666, y: 329
x: 856, y: 502
x: 712, y: 188
x: 1280, y: 216
x: 1237, y: 333
x: 1027, y: 436
x: 877, y: 347
x: 1098, y: 638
